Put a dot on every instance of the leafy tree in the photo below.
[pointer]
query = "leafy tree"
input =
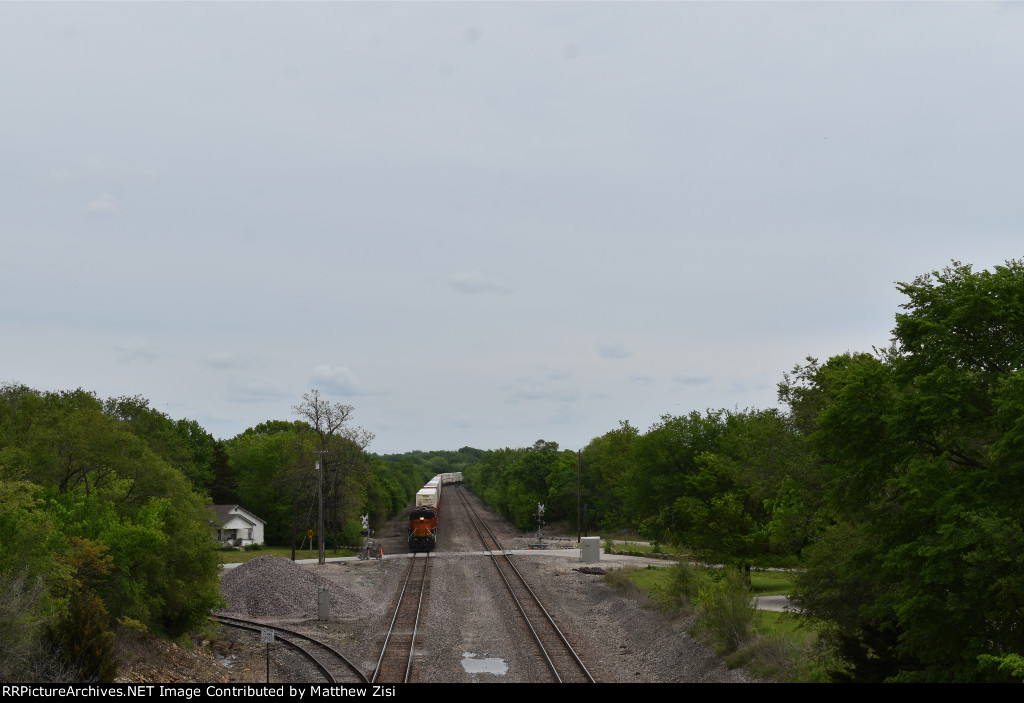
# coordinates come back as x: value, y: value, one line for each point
x: 32, y: 579
x: 608, y: 468
x: 669, y: 472
x: 224, y: 489
x: 96, y: 525
x: 276, y: 479
x: 923, y: 442
x: 182, y: 443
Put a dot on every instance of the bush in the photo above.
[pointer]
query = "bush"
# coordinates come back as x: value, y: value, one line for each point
x: 26, y: 612
x: 688, y: 580
x: 800, y: 656
x: 84, y: 640
x: 725, y: 611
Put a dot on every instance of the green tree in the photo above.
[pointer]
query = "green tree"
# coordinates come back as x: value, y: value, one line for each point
x: 923, y: 443
x: 668, y: 473
x: 274, y: 464
x: 182, y: 443
x: 608, y: 468
x: 81, y: 473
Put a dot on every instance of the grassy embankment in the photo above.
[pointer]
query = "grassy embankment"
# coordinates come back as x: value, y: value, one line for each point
x: 772, y: 645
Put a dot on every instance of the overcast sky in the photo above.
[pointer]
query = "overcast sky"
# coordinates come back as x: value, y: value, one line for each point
x: 485, y: 224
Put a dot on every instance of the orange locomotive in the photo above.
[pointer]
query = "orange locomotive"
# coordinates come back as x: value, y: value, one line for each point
x: 423, y: 518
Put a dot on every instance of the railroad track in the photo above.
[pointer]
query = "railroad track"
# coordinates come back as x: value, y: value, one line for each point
x: 557, y: 654
x: 331, y: 663
x: 398, y: 653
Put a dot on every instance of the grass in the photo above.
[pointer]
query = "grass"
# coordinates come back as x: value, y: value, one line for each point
x: 769, y: 622
x: 236, y: 557
x: 772, y: 646
x: 639, y: 548
x: 771, y: 583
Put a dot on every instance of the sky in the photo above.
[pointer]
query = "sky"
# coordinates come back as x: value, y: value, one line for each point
x: 484, y: 224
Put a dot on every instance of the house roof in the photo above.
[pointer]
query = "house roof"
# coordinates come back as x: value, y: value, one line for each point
x: 225, y: 513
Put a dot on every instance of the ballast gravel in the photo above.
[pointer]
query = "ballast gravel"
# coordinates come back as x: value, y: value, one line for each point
x: 470, y: 630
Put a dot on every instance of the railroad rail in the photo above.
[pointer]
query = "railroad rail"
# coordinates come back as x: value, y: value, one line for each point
x: 396, y: 656
x: 334, y: 666
x: 561, y: 659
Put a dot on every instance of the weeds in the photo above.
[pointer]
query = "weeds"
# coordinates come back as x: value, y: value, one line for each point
x: 796, y: 657
x: 687, y: 582
x: 624, y: 580
x: 725, y: 611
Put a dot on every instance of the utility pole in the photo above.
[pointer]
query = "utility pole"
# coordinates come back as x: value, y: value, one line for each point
x: 579, y: 471
x: 321, y: 558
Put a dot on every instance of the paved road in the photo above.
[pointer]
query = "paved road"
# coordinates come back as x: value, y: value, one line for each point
x: 777, y: 603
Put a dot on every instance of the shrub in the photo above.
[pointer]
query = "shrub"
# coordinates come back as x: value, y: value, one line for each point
x: 725, y: 612
x: 688, y: 580
x: 799, y: 656
x: 83, y: 638
x: 26, y: 612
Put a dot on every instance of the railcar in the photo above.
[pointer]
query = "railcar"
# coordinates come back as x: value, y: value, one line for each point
x: 424, y: 516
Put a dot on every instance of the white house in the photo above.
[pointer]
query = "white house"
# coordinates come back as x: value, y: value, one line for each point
x: 236, y: 526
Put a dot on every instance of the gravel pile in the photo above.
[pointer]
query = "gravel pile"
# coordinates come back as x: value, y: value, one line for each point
x: 276, y: 586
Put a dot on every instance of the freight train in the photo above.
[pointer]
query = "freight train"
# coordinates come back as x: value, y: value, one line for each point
x: 423, y: 518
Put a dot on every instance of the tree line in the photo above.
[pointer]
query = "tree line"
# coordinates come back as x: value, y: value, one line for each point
x: 894, y: 479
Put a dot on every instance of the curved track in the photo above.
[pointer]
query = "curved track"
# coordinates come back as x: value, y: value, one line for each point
x: 398, y: 653
x: 331, y: 663
x: 555, y: 651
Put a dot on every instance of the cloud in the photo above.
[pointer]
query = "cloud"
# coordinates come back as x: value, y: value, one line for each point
x: 227, y: 362
x: 692, y: 379
x: 641, y: 378
x: 61, y: 176
x: 255, y: 390
x: 476, y: 282
x: 532, y: 389
x: 611, y: 349
x: 103, y: 206
x: 134, y: 349
x: 338, y: 380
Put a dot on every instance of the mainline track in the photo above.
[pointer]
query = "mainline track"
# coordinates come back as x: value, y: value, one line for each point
x: 396, y: 656
x: 328, y: 661
x: 561, y: 659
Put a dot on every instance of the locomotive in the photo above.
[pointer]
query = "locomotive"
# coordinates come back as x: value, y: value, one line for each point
x: 423, y: 517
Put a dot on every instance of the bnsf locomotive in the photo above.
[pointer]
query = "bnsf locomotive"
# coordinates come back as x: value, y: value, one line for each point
x: 423, y: 518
